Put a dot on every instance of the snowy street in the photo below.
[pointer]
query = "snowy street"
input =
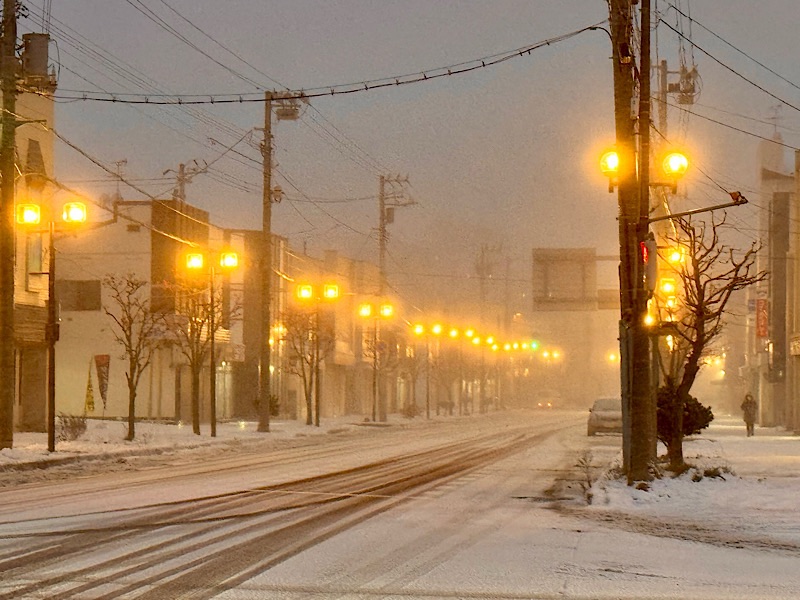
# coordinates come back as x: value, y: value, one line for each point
x: 490, y: 506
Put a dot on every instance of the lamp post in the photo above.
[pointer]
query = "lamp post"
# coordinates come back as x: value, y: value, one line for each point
x: 454, y: 334
x: 329, y: 292
x: 638, y: 397
x: 29, y: 215
x: 381, y: 310
x: 228, y: 261
x: 436, y: 330
x: 419, y: 330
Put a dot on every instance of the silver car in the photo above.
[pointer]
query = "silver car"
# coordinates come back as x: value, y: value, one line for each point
x: 605, y: 416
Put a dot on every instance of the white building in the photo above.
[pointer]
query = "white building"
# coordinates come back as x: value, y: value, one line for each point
x: 148, y: 240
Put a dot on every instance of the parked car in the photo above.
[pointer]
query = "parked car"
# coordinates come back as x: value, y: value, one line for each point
x: 605, y: 416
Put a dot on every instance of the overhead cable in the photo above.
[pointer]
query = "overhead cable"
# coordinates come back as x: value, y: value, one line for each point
x: 732, y: 70
x: 316, y: 92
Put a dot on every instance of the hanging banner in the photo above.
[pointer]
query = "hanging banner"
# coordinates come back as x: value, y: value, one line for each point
x: 89, y: 403
x: 102, y: 362
x: 762, y: 318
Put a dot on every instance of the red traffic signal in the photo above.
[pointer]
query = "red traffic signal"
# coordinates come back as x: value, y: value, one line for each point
x: 649, y: 253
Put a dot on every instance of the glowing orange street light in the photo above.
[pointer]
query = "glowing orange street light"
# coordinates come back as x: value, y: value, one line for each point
x: 195, y: 261
x: 383, y: 310
x: 229, y: 260
x: 675, y: 164
x: 609, y: 166
x: 74, y: 212
x: 29, y: 214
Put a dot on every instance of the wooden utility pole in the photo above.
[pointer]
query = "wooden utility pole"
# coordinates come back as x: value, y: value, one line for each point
x: 264, y: 380
x: 634, y: 341
x: 8, y: 85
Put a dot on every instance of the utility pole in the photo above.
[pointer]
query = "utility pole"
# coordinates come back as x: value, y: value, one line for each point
x: 182, y: 177
x: 286, y: 110
x: 264, y: 388
x: 637, y: 398
x: 383, y: 236
x: 662, y: 98
x: 484, y: 267
x: 386, y: 205
x: 119, y: 164
x: 644, y: 396
x: 8, y: 85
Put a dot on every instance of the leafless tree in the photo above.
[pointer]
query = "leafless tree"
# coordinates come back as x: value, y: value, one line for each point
x: 136, y: 328
x: 196, y: 313
x: 310, y: 339
x: 708, y: 274
x: 447, y: 370
x: 380, y: 350
x: 412, y: 364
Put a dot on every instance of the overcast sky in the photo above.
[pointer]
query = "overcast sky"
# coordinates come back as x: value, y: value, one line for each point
x: 502, y: 156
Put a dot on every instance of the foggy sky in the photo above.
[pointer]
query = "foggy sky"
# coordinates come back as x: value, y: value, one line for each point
x: 504, y: 156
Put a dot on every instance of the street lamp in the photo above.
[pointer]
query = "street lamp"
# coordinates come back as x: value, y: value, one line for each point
x: 419, y: 330
x: 381, y: 310
x: 228, y: 261
x: 29, y: 214
x: 329, y: 292
x: 674, y: 165
x: 609, y: 166
x: 633, y: 181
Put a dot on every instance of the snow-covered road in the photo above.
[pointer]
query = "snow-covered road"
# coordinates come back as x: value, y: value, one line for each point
x: 430, y: 518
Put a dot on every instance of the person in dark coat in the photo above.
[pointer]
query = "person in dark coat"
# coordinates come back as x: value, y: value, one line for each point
x: 749, y: 408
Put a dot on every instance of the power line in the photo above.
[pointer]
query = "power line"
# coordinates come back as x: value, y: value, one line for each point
x: 228, y: 50
x: 732, y: 70
x: 316, y: 92
x: 742, y: 52
x: 150, y: 14
x: 734, y: 128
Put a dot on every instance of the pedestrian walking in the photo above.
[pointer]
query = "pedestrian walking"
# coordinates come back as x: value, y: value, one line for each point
x: 749, y: 408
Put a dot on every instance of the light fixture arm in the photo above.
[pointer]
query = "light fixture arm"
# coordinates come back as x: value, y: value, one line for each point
x: 738, y: 200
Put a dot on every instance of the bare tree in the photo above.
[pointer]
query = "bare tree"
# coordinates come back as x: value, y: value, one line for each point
x: 310, y: 340
x: 197, y: 313
x: 136, y: 328
x: 412, y: 365
x: 380, y: 350
x: 448, y: 372
x: 709, y: 273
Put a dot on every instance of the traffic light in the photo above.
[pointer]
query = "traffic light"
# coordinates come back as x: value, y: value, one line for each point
x: 649, y: 253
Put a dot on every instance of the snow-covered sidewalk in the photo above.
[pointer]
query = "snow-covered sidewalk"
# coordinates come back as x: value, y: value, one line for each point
x: 740, y: 490
x: 106, y: 438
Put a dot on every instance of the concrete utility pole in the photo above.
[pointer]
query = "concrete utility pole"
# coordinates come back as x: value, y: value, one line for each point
x: 8, y: 85
x: 287, y: 109
x: 386, y: 206
x: 633, y: 198
x: 119, y: 164
x: 264, y: 380
x: 484, y: 268
x: 644, y: 395
x: 182, y: 177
